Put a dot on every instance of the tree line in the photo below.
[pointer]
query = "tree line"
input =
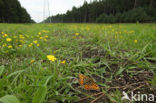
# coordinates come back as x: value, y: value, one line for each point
x: 109, y: 11
x: 12, y: 12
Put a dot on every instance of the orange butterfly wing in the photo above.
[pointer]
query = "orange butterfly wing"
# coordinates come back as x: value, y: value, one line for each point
x: 87, y: 83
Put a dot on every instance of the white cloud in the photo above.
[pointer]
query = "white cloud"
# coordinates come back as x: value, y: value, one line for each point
x: 35, y: 7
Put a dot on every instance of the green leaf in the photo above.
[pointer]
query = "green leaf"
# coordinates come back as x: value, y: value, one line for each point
x: 1, y: 70
x: 154, y: 81
x: 15, y: 73
x: 40, y: 95
x: 9, y: 99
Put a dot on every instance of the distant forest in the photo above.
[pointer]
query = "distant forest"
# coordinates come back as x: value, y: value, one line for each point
x: 12, y: 12
x: 109, y: 11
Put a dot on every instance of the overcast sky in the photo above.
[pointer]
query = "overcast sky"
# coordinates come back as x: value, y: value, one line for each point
x: 35, y: 7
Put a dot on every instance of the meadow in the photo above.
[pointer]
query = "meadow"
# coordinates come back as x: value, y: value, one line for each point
x: 41, y: 63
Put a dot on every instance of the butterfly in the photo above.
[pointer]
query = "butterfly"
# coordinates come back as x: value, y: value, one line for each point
x: 88, y: 83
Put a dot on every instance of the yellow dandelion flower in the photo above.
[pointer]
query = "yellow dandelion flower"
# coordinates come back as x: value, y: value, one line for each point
x: 51, y: 58
x: 22, y: 41
x: 135, y: 41
x: 9, y: 46
x: 45, y: 40
x: 5, y: 35
x: 8, y: 39
x: 14, y: 37
x: 74, y: 37
x: 54, y: 52
x: 35, y: 41
x: 116, y: 32
x: 32, y: 61
x: 39, y: 33
x: 30, y: 45
x: 38, y: 44
x: 41, y: 37
x: 45, y: 31
x: 46, y: 36
x: 22, y: 37
x: 77, y: 34
x: 63, y: 62
x: 4, y: 45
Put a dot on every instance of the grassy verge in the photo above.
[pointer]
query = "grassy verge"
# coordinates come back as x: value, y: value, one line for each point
x: 118, y: 57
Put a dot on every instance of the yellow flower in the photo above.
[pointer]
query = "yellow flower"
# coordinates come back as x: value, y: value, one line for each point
x: 77, y: 34
x: 45, y: 40
x: 5, y: 35
x: 41, y: 37
x: 22, y: 37
x: 32, y: 61
x: 38, y: 44
x: 54, y: 52
x: 74, y: 37
x: 46, y: 36
x: 14, y: 37
x: 135, y: 41
x: 4, y: 45
x: 2, y: 32
x: 8, y: 39
x: 116, y: 32
x: 51, y: 58
x: 63, y: 62
x: 9, y: 46
x: 39, y: 33
x: 20, y: 45
x: 22, y: 41
x: 30, y: 45
x: 35, y: 41
x: 45, y: 31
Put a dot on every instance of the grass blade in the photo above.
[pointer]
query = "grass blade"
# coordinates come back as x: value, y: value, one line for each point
x: 1, y: 70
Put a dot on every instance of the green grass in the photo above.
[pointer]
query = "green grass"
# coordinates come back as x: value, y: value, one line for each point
x: 115, y: 56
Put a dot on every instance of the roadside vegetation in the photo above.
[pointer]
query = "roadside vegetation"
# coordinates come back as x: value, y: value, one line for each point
x: 41, y: 63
